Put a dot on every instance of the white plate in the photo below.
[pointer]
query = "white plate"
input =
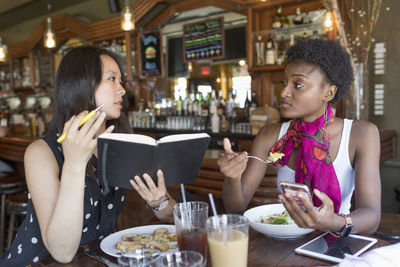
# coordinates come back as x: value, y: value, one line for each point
x: 107, y: 245
x: 273, y: 230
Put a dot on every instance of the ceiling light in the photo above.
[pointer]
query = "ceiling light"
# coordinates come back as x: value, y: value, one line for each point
x: 3, y: 52
x: 49, y: 36
x: 327, y: 23
x: 127, y: 18
x: 49, y: 40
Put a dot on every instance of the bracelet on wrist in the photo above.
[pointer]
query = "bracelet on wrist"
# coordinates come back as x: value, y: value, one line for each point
x: 163, y: 204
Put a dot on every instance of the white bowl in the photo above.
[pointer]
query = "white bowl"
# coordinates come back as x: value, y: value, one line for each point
x: 284, y: 231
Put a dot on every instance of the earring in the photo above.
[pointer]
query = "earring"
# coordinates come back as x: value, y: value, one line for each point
x: 326, y: 113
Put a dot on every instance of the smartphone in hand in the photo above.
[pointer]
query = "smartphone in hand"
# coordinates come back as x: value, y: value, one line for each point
x: 294, y: 189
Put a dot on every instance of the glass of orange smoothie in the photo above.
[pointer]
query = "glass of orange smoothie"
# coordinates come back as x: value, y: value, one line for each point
x: 228, y: 240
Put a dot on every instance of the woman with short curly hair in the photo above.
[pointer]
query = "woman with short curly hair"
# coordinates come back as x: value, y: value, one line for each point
x: 333, y: 156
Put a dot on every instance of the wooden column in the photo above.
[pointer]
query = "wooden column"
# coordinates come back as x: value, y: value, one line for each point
x: 32, y: 68
x: 128, y: 51
x: 11, y: 72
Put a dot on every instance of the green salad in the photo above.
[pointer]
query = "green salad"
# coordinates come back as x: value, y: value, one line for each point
x: 277, y: 218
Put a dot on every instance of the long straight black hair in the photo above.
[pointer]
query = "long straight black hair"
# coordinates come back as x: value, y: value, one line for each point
x: 78, y: 76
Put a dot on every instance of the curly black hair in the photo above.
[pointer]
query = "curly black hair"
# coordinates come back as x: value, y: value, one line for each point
x: 331, y: 58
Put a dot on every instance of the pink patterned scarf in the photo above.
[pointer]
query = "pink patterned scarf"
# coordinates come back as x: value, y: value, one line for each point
x: 314, y: 165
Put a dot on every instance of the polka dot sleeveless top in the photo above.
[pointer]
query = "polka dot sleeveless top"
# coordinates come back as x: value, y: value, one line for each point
x: 100, y: 215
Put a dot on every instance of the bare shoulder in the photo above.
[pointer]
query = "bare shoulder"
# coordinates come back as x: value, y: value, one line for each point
x: 362, y: 131
x: 269, y: 132
x: 38, y: 154
x: 38, y: 147
x: 266, y: 138
x: 364, y: 138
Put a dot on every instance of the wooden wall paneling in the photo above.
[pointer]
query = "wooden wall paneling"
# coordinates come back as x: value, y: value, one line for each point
x: 142, y: 7
x: 182, y: 6
x: 96, y: 31
x: 266, y: 89
x: 284, y: 3
x: 128, y: 68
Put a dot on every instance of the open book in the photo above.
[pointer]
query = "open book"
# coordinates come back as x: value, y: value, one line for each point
x: 122, y: 156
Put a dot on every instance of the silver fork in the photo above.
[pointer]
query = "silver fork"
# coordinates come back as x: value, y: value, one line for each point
x: 260, y: 159
x: 95, y: 255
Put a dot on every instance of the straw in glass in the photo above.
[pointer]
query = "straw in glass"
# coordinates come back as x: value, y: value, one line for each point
x: 210, y: 196
x: 184, y: 213
x: 183, y: 194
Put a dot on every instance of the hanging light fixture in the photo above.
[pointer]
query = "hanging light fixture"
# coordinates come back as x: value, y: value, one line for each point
x: 3, y: 52
x: 127, y: 18
x: 327, y: 22
x: 49, y: 40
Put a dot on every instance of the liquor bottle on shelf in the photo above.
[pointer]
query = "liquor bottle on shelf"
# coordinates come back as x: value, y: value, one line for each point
x: 298, y: 19
x: 277, y: 21
x: 215, y: 123
x: 305, y: 35
x: 185, y: 106
x: 213, y: 103
x: 308, y: 19
x: 195, y: 107
x: 200, y: 104
x: 221, y: 104
x: 286, y: 22
x: 253, y: 103
x: 270, y: 57
x: 229, y: 106
x: 292, y: 41
x: 315, y: 35
x: 281, y: 47
x: 224, y: 125
x: 247, y: 107
x: 260, y: 50
x: 179, y: 106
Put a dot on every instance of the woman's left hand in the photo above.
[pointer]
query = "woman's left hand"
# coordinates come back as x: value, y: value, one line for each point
x: 323, y: 218
x: 151, y: 193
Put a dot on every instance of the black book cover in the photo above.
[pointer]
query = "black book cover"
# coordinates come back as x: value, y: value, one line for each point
x: 122, y: 156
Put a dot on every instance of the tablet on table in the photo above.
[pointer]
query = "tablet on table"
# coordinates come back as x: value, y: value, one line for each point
x: 331, y: 248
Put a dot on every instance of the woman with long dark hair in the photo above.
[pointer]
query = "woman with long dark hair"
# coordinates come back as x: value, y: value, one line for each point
x: 66, y: 206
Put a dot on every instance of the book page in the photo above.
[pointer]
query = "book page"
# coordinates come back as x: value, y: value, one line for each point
x: 133, y: 138
x: 182, y: 137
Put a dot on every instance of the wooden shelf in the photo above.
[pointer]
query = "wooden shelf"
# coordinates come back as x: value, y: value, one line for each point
x: 267, y: 68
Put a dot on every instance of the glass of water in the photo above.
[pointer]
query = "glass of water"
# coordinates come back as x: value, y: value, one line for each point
x: 139, y: 258
x: 181, y: 259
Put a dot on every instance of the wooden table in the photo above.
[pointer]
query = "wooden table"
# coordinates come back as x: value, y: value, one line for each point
x: 389, y: 228
x: 263, y: 251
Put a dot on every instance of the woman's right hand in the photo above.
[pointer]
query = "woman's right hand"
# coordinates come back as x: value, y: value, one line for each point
x: 80, y: 144
x: 232, y: 164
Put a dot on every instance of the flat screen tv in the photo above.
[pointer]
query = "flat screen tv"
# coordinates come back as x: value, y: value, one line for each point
x: 235, y: 48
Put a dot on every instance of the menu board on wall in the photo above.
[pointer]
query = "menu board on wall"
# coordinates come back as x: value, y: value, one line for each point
x: 204, y: 40
x: 151, y: 60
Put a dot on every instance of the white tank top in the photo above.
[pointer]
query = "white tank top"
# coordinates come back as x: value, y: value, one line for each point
x: 341, y: 164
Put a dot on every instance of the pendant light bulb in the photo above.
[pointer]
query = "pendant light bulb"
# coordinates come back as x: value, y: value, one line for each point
x: 49, y: 40
x: 127, y: 19
x: 327, y: 23
x: 3, y: 53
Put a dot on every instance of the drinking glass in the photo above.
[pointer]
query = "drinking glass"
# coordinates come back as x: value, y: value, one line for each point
x: 139, y: 258
x: 181, y: 259
x: 228, y: 239
x: 190, y: 222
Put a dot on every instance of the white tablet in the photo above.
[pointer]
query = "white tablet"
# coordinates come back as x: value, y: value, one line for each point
x: 330, y: 248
